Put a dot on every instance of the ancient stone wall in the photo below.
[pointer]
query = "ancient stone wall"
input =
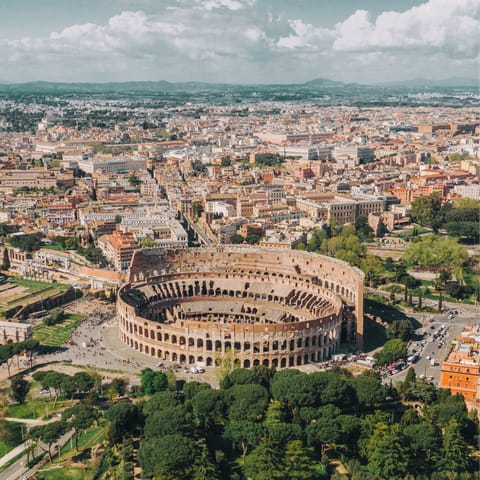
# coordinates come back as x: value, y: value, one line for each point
x: 265, y: 306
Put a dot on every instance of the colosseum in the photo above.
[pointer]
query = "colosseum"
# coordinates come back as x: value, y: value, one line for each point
x: 274, y: 307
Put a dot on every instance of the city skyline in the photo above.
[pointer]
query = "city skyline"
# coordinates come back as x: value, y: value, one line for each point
x: 238, y: 41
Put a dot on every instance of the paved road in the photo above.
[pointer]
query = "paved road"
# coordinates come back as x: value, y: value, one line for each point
x: 467, y: 315
x: 19, y: 470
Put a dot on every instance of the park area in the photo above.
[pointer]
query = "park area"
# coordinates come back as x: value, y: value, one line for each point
x: 56, y: 335
x: 17, y: 292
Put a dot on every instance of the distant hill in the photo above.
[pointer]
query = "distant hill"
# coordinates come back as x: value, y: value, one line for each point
x: 161, y: 86
x: 323, y: 82
x: 431, y: 83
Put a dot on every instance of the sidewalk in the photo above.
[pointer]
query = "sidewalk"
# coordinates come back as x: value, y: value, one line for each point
x: 13, y: 453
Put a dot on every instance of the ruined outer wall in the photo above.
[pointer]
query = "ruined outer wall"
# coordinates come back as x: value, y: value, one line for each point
x: 332, y: 274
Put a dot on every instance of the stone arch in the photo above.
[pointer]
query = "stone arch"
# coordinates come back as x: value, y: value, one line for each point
x: 209, y: 362
x: 199, y: 343
x: 246, y: 363
x: 283, y: 363
x: 183, y: 358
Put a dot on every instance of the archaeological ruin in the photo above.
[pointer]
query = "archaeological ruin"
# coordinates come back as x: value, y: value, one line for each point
x: 273, y: 307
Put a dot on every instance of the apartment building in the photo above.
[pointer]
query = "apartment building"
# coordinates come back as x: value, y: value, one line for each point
x: 353, y: 155
x: 118, y: 248
x: 460, y: 372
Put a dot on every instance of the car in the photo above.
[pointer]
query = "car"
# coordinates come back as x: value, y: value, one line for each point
x: 194, y: 370
x: 160, y: 364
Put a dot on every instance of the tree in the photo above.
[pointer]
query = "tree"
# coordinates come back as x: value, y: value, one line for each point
x: 160, y: 401
x: 424, y: 441
x: 117, y: 387
x: 49, y: 434
x: 469, y: 231
x: 387, y: 457
x: 299, y: 462
x: 246, y: 402
x: 323, y: 432
x: 169, y: 421
x: 134, y: 181
x: 243, y: 435
x: 153, y: 382
x: 19, y: 388
x: 226, y: 161
x: 265, y: 462
x: 204, y: 468
x: 391, y: 351
x: 209, y: 409
x: 236, y: 239
x: 80, y: 417
x: 455, y: 453
x: 369, y: 389
x: 401, y: 329
x: 125, y: 419
x: 84, y: 382
x: 426, y: 210
x: 169, y: 458
x: 197, y: 209
x: 434, y: 251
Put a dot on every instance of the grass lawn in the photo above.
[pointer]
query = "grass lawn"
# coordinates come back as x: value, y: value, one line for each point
x: 35, y: 286
x: 56, y: 335
x: 35, y: 408
x: 61, y: 473
x: 14, y: 437
x: 92, y: 436
x: 62, y: 467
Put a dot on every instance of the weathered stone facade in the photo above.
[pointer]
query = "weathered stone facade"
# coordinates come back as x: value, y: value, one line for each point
x: 275, y: 307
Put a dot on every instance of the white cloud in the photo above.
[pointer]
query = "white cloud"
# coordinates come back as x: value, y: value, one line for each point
x: 248, y: 41
x: 304, y: 36
x: 451, y: 26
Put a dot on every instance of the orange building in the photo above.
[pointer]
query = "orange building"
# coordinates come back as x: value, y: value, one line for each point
x: 460, y: 372
x: 408, y: 194
x: 118, y: 248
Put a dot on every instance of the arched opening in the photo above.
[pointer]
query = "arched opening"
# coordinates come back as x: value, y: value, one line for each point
x: 199, y: 343
x: 246, y: 363
x: 183, y: 358
x: 266, y: 362
x: 209, y: 362
x: 191, y: 359
x: 191, y: 342
x: 283, y: 363
x: 218, y: 346
x: 299, y: 360
x: 275, y: 363
x: 174, y: 357
x: 256, y: 362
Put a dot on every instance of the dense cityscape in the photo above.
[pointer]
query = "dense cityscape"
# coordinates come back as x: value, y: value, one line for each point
x: 205, y: 280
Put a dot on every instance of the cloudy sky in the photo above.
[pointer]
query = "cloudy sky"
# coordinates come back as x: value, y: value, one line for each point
x: 238, y: 41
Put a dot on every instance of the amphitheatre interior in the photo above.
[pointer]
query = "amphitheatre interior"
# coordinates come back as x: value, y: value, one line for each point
x: 274, y: 307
